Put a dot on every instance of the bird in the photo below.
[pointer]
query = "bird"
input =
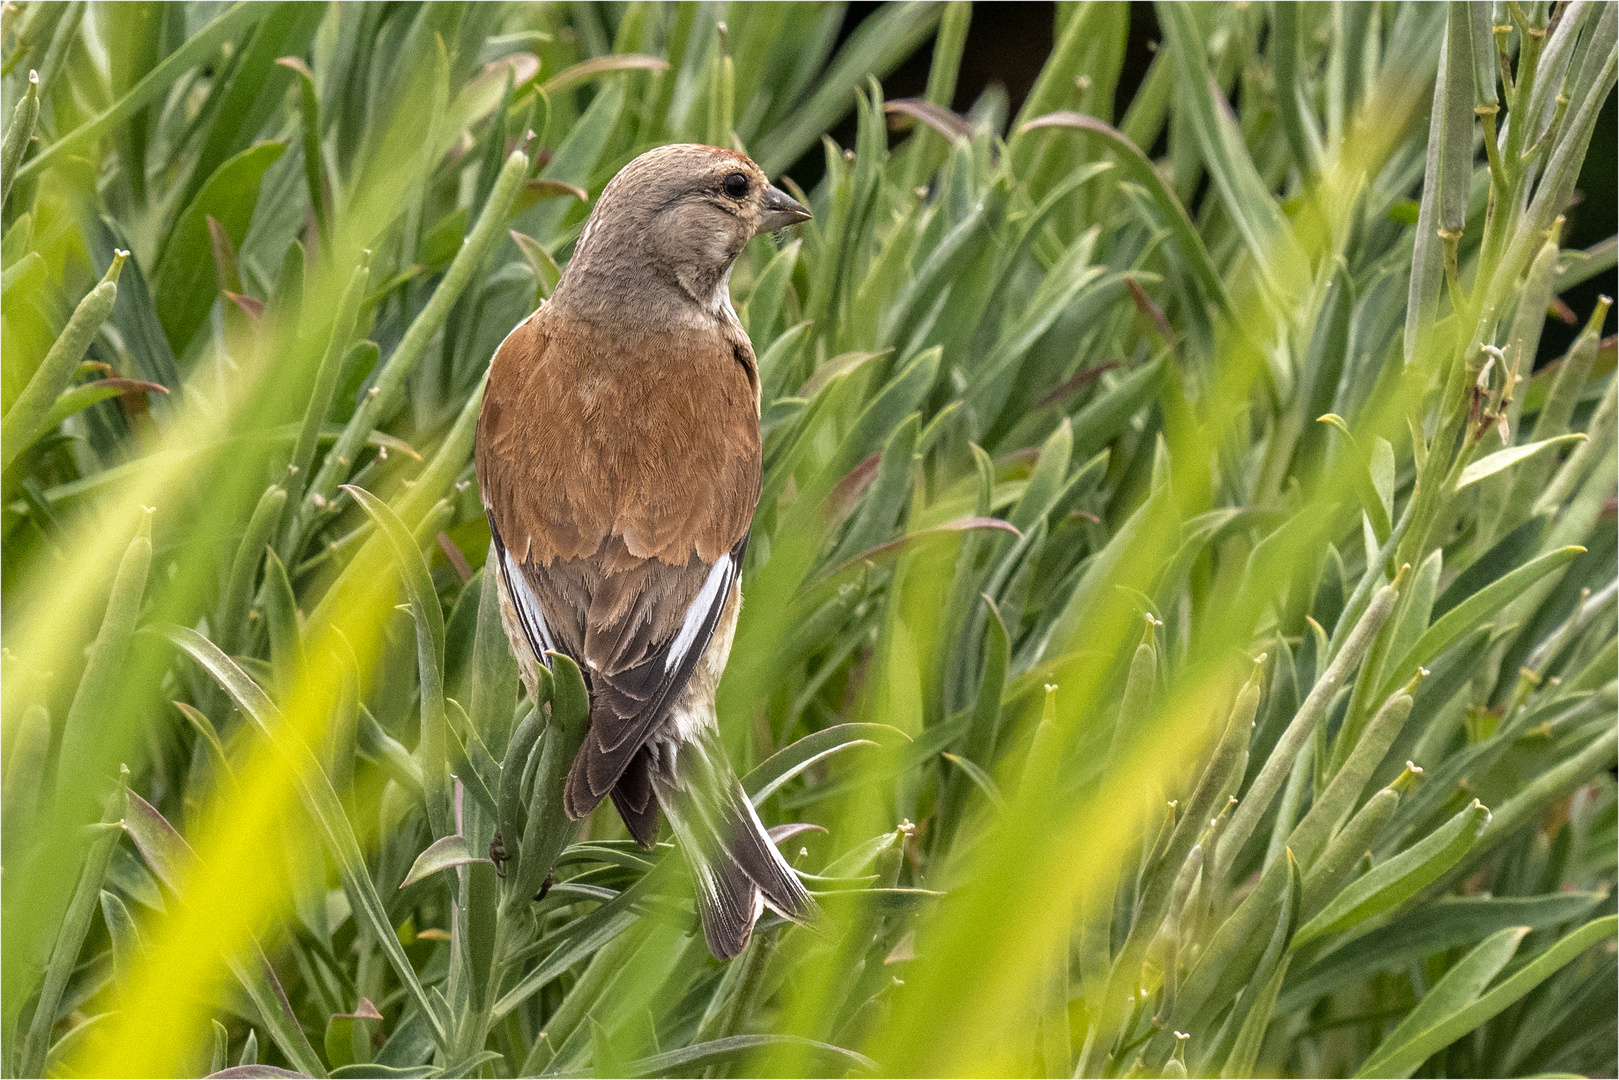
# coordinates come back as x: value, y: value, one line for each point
x: 618, y: 458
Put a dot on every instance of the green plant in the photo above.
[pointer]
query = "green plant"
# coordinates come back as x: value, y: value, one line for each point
x: 1193, y: 630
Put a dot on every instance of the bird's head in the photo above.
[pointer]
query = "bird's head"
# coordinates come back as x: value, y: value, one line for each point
x: 668, y: 227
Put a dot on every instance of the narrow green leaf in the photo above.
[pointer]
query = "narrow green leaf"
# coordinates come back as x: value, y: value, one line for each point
x: 172, y: 859
x: 210, y: 737
x: 475, y: 765
x: 29, y: 415
x: 493, y: 677
x: 1490, y: 464
x: 1333, y: 805
x: 255, y: 1071
x: 84, y: 753
x: 183, y: 284
x: 540, y: 264
x: 549, y: 829
x: 18, y: 132
x: 221, y: 1046
x: 1429, y: 930
x: 1298, y: 120
x: 1110, y: 411
x: 765, y: 301
x: 909, y: 542
x: 600, y: 65
x: 1227, y: 759
x: 741, y: 1047
x: 1141, y: 170
x: 1272, y: 970
x: 770, y: 775
x: 1260, y: 222
x: 1474, y: 612
x: 281, y: 620
x: 1396, y: 880
x: 1445, y: 180
x: 445, y: 853
x: 509, y: 823
x: 1551, y: 784
x: 247, y: 95
x: 320, y: 398
x: 389, y: 753
x: 1401, y: 1057
x: 390, y: 379
x: 979, y: 744
x: 78, y: 398
x: 314, y: 158
x: 156, y: 84
x: 584, y: 937
x: 876, y: 46
x: 1279, y: 765
x: 981, y: 780
x: 1371, y: 499
x: 242, y: 583
x: 323, y: 805
x: 433, y: 750
x: 27, y: 758
x: 70, y: 934
x: 887, y: 496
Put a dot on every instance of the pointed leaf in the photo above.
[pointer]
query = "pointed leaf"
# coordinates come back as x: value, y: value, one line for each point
x: 819, y: 1055
x: 183, y: 284
x: 1474, y: 612
x: 775, y: 771
x: 894, y: 548
x: 1401, y: 1058
x: 1396, y: 880
x: 1490, y: 464
x: 433, y: 750
x: 600, y: 65
x: 78, y: 398
x: 171, y: 859
x: 441, y: 854
x: 979, y: 778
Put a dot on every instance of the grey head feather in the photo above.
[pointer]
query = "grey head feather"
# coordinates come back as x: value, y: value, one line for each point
x: 659, y: 244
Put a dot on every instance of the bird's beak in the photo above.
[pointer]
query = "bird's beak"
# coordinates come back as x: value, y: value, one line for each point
x: 781, y: 210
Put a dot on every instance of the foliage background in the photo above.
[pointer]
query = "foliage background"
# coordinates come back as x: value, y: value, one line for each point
x: 1045, y: 478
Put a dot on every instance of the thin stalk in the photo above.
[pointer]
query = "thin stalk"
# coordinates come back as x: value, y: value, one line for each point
x: 1549, y: 135
x: 1531, y: 40
x: 320, y: 402
x: 384, y: 394
x: 70, y: 939
x: 1500, y: 177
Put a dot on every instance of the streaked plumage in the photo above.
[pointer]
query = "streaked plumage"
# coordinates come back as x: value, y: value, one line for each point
x: 618, y: 455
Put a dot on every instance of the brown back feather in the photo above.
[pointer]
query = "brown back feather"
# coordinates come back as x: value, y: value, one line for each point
x: 589, y: 432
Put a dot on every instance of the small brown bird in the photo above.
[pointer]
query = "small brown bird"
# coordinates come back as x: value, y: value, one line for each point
x: 618, y: 455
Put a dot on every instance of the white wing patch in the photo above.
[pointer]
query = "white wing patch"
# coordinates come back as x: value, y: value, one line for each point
x: 719, y: 578
x: 528, y: 606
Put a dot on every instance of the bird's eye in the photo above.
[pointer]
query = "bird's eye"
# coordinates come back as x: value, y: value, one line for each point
x: 736, y: 185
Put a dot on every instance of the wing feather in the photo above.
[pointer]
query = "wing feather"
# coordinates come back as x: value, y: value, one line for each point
x: 530, y: 615
x: 628, y: 705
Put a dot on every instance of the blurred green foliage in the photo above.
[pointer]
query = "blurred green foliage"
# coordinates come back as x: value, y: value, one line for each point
x: 1180, y: 634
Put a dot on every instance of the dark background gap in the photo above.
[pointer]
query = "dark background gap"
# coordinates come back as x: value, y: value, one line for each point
x: 1008, y: 42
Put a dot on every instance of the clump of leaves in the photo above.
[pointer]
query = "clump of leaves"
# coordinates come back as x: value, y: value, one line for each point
x: 1181, y: 615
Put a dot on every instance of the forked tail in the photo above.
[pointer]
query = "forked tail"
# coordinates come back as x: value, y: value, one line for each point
x: 737, y: 871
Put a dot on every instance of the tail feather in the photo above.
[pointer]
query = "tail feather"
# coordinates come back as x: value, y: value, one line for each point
x: 736, y: 868
x: 728, y: 902
x: 632, y: 796
x: 750, y: 846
